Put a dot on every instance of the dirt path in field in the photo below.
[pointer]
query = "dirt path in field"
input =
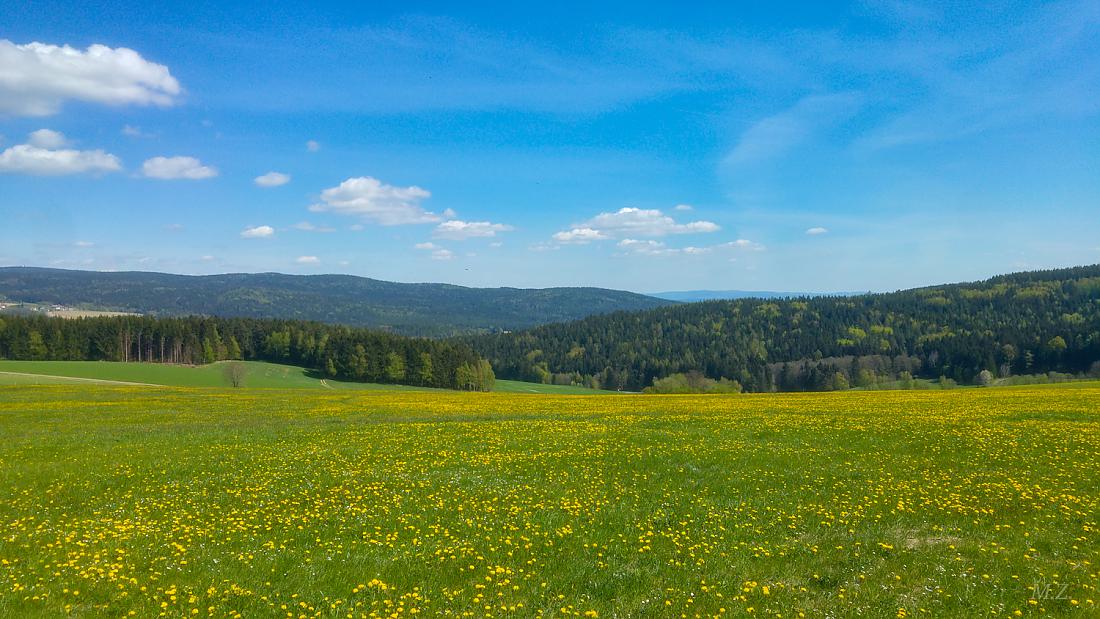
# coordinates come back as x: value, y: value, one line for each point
x: 326, y: 385
x: 84, y: 380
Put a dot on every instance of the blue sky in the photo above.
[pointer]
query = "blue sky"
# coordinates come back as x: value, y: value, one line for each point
x: 814, y: 147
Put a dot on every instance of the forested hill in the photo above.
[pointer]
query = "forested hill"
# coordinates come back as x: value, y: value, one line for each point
x: 334, y: 351
x: 409, y: 309
x: 1021, y: 323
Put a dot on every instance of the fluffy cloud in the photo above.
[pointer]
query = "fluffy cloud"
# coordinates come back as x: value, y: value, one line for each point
x: 272, y: 179
x: 258, y: 232
x: 816, y: 231
x: 438, y: 253
x: 647, y: 247
x: 644, y: 222
x: 373, y: 200
x: 171, y: 168
x: 47, y: 138
x: 631, y: 222
x: 460, y: 230
x: 43, y: 156
x: 37, y: 78
x: 683, y: 207
x: 580, y: 236
x: 307, y: 260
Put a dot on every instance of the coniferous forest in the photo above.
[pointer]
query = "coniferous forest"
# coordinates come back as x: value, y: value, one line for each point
x: 333, y: 351
x: 1023, y: 323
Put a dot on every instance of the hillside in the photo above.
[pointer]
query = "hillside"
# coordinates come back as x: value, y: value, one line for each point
x: 256, y: 375
x: 408, y: 309
x: 152, y: 346
x: 692, y: 296
x: 1023, y: 323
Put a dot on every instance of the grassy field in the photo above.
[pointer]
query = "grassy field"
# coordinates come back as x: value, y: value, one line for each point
x: 206, y: 502
x: 515, y: 386
x: 259, y: 375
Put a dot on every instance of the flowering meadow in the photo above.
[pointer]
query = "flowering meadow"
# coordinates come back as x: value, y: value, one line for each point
x: 146, y: 502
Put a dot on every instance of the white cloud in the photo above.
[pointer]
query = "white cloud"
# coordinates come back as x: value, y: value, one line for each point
x: 135, y: 132
x: 580, y: 236
x: 313, y: 146
x: 170, y: 168
x: 644, y: 222
x: 258, y: 232
x: 649, y: 247
x: 438, y: 253
x: 742, y: 244
x: 459, y: 230
x: 307, y: 260
x: 47, y: 138
x: 39, y: 161
x: 775, y: 135
x: 373, y: 200
x: 816, y: 230
x: 36, y: 78
x: 306, y: 226
x: 683, y: 207
x: 206, y: 258
x: 449, y: 213
x: 84, y: 244
x: 272, y: 179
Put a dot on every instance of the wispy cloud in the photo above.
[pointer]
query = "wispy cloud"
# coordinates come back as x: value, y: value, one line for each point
x: 436, y: 252
x: 775, y: 135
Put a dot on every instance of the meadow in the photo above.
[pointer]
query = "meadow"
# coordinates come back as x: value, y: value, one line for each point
x: 258, y: 374
x: 189, y: 502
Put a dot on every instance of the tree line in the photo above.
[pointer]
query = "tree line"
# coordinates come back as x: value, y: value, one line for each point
x: 333, y: 351
x: 1024, y: 323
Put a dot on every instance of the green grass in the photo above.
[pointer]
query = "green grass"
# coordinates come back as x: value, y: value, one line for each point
x: 515, y: 386
x: 217, y: 502
x: 260, y: 375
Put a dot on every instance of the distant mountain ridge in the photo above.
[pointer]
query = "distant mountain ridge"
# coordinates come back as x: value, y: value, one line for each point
x: 691, y: 296
x: 409, y: 309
